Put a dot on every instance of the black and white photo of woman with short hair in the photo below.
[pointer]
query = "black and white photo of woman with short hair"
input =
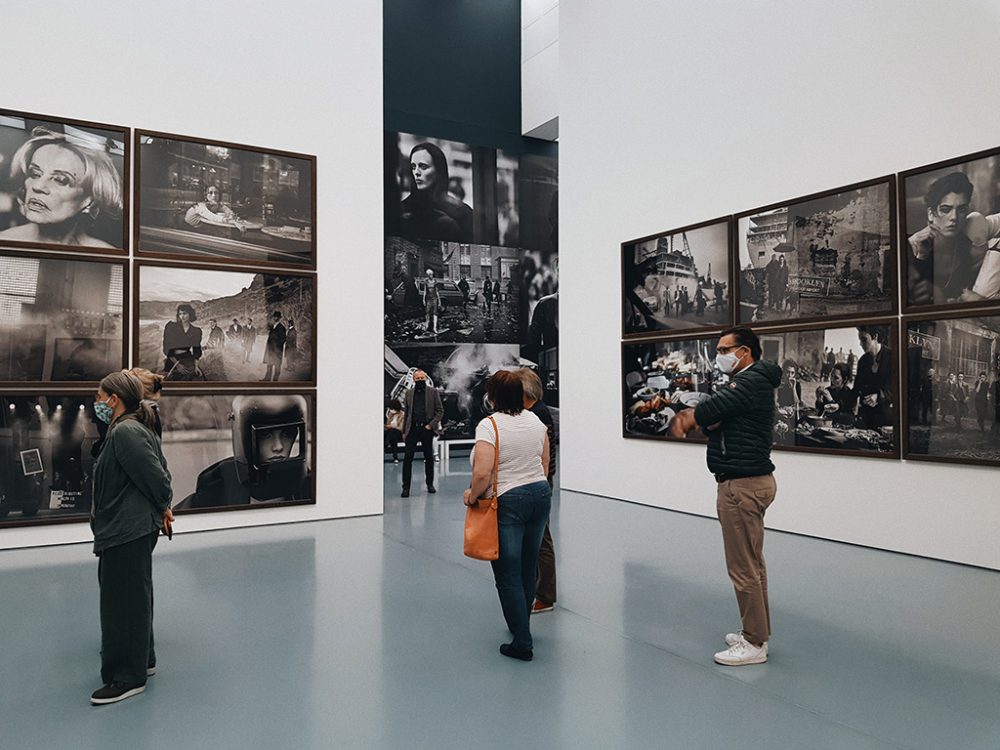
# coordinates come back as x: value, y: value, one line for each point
x: 61, y: 190
x: 430, y: 211
x: 182, y: 345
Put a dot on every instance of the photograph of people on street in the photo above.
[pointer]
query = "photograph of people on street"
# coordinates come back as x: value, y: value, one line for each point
x: 822, y: 257
x: 195, y: 324
x: 953, y: 389
x: 62, y: 183
x: 213, y: 200
x: 46, y: 457
x: 442, y: 292
x: 677, y: 280
x: 230, y: 451
x: 951, y: 211
x: 60, y: 318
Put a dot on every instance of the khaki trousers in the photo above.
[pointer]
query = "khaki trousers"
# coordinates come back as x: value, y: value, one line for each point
x: 741, y: 504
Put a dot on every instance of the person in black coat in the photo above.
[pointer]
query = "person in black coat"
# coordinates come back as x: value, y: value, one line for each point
x: 182, y: 345
x: 274, y: 350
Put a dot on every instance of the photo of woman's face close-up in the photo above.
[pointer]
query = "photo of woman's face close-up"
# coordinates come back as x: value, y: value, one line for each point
x: 275, y: 445
x: 424, y: 173
x: 53, y: 192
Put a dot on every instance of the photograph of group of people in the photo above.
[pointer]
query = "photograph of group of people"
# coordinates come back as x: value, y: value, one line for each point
x: 224, y: 326
x: 677, y: 280
x: 209, y: 200
x: 62, y: 183
x: 825, y: 256
x: 836, y: 395
x: 953, y: 389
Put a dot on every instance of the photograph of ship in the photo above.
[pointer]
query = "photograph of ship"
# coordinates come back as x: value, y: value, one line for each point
x: 677, y: 280
x: 953, y: 389
x: 823, y: 257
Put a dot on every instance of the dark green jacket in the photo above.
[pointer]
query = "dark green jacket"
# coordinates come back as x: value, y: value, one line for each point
x: 744, y: 410
x: 131, y: 485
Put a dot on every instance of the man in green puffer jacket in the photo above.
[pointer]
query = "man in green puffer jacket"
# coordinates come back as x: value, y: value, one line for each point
x: 739, y: 421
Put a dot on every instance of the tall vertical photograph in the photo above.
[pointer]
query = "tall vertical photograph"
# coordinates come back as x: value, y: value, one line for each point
x: 63, y: 183
x: 827, y: 256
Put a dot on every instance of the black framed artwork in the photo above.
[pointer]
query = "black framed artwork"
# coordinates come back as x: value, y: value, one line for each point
x: 678, y: 280
x: 837, y: 393
x: 200, y: 199
x: 951, y: 377
x: 64, y: 183
x: 62, y: 318
x: 46, y: 461
x: 239, y: 450
x: 824, y: 257
x: 198, y: 325
x: 951, y: 233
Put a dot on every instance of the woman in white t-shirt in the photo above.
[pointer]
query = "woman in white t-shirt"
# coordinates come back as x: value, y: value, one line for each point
x: 524, y: 500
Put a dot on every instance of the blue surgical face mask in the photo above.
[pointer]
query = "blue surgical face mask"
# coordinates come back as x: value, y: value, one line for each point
x: 103, y: 412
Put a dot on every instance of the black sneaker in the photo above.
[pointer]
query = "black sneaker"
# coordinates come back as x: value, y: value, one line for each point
x: 405, y: 492
x: 150, y: 670
x: 430, y: 489
x: 114, y: 692
x: 507, y: 649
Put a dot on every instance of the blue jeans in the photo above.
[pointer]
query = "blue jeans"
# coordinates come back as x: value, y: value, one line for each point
x: 522, y: 513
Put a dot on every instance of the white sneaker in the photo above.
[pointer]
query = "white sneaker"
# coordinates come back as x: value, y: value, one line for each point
x: 741, y: 653
x: 733, y: 638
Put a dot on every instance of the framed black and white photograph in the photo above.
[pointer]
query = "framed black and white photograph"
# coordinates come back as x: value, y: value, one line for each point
x: 837, y: 389
x: 677, y: 280
x: 951, y: 221
x: 459, y: 372
x: 663, y: 378
x: 62, y: 318
x: 828, y: 256
x: 46, y: 462
x: 63, y: 183
x: 201, y: 325
x: 442, y: 292
x: 234, y: 451
x: 211, y: 200
x: 952, y: 382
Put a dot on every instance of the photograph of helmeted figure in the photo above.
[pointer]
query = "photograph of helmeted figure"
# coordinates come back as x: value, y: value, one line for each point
x: 62, y: 183
x: 46, y: 457
x: 269, y: 338
x: 61, y: 318
x: 237, y: 451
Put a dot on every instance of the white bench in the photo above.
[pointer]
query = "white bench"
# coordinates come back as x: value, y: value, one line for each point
x: 447, y: 445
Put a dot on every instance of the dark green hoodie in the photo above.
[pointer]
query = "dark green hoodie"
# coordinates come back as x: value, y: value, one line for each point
x: 744, y: 411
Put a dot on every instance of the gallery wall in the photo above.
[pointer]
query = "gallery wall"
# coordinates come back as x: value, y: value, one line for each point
x: 227, y: 76
x: 718, y: 109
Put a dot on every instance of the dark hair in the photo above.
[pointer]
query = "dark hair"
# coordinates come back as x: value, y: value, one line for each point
x: 276, y: 314
x: 395, y: 405
x: 745, y: 336
x: 440, y: 186
x: 129, y: 389
x: 879, y: 333
x: 789, y: 363
x: 506, y: 392
x: 184, y: 306
x: 956, y: 182
x: 842, y: 368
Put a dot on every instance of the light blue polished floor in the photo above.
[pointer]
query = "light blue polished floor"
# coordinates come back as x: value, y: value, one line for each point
x: 377, y: 633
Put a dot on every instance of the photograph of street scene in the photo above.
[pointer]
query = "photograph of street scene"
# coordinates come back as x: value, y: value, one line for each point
x: 676, y: 281
x: 825, y: 257
x: 836, y: 393
x: 194, y: 324
x: 953, y: 389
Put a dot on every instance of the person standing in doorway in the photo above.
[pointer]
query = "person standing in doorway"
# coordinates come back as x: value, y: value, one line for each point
x: 739, y: 420
x: 424, y: 411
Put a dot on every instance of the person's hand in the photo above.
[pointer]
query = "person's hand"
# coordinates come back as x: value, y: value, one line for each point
x: 467, y: 497
x: 168, y: 522
x: 871, y: 399
x: 830, y: 408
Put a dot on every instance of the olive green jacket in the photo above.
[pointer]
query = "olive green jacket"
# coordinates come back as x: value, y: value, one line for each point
x: 131, y: 485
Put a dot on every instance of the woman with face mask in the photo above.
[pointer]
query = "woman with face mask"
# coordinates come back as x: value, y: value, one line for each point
x: 131, y: 504
x: 63, y: 188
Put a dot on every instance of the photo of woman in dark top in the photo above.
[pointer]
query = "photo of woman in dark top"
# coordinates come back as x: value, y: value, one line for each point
x: 430, y: 211
x: 182, y: 345
x: 873, y: 382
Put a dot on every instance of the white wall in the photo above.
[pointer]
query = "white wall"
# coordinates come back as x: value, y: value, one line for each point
x: 300, y: 76
x: 675, y: 112
x: 540, y: 68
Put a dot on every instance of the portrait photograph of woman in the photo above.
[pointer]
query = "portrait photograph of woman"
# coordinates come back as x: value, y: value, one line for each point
x: 223, y: 202
x: 63, y: 183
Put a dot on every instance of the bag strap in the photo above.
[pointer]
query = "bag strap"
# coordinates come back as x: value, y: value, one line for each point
x: 496, y: 455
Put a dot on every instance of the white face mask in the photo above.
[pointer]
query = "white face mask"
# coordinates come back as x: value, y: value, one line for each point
x: 726, y: 362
